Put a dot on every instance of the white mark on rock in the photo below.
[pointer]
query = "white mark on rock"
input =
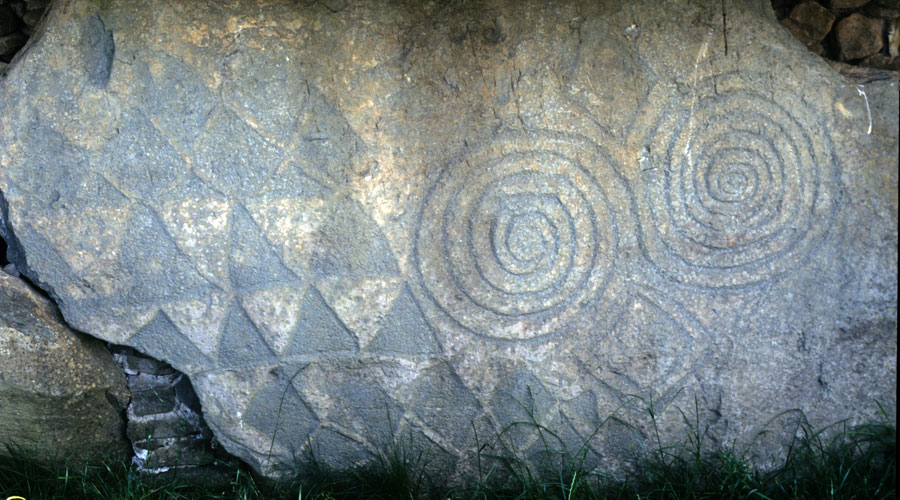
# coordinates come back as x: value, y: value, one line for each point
x: 700, y: 55
x: 859, y: 88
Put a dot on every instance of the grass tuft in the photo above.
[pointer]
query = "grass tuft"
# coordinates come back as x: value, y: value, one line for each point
x: 837, y: 461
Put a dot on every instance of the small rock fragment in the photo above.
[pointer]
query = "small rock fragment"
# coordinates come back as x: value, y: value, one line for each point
x: 11, y: 43
x: 858, y: 37
x: 814, y: 20
x: 9, y: 269
x: 37, y: 4
x: 847, y: 4
x: 32, y: 17
x: 881, y: 61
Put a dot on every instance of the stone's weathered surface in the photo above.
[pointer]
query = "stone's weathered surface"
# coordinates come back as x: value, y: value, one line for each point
x: 858, y: 36
x: 352, y: 223
x: 61, y: 394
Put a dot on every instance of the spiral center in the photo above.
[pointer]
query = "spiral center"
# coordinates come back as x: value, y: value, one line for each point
x: 528, y: 237
x: 515, y: 242
x: 733, y: 182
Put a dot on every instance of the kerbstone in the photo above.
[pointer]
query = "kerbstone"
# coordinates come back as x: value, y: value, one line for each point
x: 361, y: 223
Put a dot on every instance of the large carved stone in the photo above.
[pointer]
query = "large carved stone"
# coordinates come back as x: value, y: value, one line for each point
x: 426, y: 221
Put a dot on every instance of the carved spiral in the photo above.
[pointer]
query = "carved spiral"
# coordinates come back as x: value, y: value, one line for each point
x: 742, y: 191
x: 515, y: 240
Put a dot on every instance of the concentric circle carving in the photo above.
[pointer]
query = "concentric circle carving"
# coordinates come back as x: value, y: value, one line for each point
x: 742, y: 190
x: 517, y: 239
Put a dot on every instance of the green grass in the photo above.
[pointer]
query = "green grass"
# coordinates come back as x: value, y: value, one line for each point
x: 839, y: 461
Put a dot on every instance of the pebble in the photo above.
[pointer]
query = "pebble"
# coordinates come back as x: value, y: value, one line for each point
x: 10, y: 268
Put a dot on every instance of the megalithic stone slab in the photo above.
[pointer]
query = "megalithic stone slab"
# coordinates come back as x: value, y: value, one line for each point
x: 452, y: 223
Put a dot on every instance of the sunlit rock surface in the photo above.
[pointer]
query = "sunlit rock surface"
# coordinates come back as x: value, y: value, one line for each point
x: 355, y: 223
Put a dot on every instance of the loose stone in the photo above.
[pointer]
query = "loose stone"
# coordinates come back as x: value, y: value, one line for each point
x: 858, y: 37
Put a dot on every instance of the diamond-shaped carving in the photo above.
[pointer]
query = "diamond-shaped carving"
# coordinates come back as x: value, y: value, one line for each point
x: 362, y: 304
x: 276, y: 312
x: 278, y: 411
x: 146, y: 164
x: 254, y: 263
x: 655, y: 348
x: 160, y: 335
x: 163, y: 275
x: 404, y: 330
x: 241, y: 344
x: 319, y: 329
x: 174, y: 97
x: 231, y: 157
x: 265, y: 81
x: 199, y: 227
x: 200, y: 320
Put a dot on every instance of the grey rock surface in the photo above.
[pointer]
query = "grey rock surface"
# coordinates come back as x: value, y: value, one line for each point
x: 368, y: 222
x: 61, y: 393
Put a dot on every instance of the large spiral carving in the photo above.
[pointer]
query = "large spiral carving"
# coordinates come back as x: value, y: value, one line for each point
x: 741, y: 191
x: 516, y: 239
